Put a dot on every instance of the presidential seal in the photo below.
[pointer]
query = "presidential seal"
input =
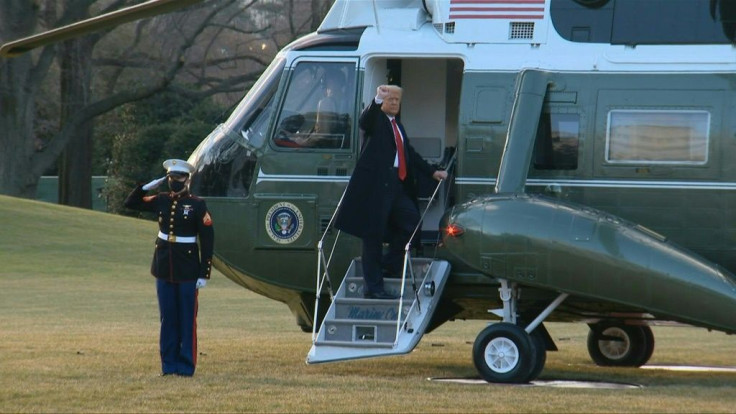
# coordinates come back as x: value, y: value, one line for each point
x: 284, y: 223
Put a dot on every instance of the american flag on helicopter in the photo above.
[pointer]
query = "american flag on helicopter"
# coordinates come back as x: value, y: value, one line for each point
x: 497, y: 9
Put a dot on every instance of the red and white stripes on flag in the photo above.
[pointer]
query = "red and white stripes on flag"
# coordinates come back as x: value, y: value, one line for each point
x: 497, y: 9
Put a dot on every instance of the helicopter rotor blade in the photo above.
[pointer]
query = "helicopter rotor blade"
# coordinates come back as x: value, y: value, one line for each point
x: 141, y: 11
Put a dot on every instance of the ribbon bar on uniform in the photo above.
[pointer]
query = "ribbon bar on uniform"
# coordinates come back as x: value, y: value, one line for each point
x: 177, y: 239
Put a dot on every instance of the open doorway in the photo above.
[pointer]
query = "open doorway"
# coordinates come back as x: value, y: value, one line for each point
x: 429, y: 112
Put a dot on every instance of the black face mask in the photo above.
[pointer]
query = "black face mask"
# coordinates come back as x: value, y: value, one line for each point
x: 176, y: 186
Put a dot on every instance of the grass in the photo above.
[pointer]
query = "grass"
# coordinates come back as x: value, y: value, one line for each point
x: 79, y: 332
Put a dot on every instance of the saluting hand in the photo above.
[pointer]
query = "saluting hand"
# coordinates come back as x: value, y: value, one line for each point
x: 154, y: 184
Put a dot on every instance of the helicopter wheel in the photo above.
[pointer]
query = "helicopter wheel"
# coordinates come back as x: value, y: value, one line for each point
x: 619, y: 345
x: 648, y: 344
x: 540, y: 348
x: 505, y: 353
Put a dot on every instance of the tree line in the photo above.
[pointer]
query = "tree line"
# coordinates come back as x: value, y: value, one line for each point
x: 120, y: 101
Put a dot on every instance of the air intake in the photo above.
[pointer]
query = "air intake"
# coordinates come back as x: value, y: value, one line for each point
x: 521, y: 30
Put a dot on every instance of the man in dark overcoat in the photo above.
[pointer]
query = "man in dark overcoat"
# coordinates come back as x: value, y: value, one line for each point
x: 180, y: 264
x: 380, y: 203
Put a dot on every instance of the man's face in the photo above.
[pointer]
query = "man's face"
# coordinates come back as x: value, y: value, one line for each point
x: 392, y: 103
x: 331, y: 87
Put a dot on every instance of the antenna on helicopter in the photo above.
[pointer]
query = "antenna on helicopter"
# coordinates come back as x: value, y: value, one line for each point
x: 141, y: 11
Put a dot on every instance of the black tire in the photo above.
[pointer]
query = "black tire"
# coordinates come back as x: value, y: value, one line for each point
x: 540, y: 349
x: 504, y: 353
x: 618, y: 345
x: 648, y: 345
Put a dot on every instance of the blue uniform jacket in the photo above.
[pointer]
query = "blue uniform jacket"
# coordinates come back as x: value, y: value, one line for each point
x: 181, y: 215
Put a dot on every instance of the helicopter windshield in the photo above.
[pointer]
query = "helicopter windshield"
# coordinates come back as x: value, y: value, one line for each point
x: 225, y: 161
x: 223, y: 166
x: 253, y: 113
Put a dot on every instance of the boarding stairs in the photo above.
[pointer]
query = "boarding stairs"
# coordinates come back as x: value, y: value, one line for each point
x: 355, y: 327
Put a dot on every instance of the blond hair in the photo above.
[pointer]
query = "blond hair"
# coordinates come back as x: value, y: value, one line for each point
x: 395, y: 88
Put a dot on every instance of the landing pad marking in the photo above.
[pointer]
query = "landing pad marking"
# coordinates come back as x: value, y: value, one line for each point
x: 540, y: 383
x: 690, y: 368
x: 589, y: 384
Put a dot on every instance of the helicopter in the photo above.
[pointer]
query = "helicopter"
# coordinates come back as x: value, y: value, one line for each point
x: 588, y: 146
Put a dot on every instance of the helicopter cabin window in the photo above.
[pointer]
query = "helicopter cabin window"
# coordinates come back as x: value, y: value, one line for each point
x: 318, y: 107
x: 556, y: 146
x: 642, y: 22
x: 657, y: 137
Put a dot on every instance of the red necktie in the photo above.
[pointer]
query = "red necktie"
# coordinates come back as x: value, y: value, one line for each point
x: 400, y: 150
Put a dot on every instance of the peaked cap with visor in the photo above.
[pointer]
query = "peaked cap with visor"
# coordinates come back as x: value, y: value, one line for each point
x: 179, y: 167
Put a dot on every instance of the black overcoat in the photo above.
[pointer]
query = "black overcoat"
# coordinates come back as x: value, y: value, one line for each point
x: 183, y: 215
x: 361, y: 212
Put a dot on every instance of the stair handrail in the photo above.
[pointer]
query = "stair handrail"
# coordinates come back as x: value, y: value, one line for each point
x: 324, y: 277
x: 407, y: 259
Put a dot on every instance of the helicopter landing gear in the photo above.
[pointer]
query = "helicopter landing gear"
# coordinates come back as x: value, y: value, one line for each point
x: 504, y: 353
x: 507, y: 352
x: 613, y: 344
x: 540, y: 347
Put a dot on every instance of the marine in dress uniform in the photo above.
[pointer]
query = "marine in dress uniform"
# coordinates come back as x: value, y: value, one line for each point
x: 180, y: 264
x: 380, y: 203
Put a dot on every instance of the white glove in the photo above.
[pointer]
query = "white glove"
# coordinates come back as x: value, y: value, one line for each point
x: 201, y: 283
x: 154, y: 184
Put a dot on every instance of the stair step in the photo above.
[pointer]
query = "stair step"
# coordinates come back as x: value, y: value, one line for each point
x: 366, y: 301
x: 354, y: 287
x: 365, y: 321
x: 349, y: 344
x: 420, y: 268
x: 356, y: 327
x: 386, y: 281
x: 360, y: 330
x: 374, y: 309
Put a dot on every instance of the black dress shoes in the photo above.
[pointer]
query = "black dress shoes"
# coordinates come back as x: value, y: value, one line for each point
x: 379, y: 295
x: 389, y: 275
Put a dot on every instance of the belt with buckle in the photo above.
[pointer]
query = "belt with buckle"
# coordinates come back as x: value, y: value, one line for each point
x: 177, y: 239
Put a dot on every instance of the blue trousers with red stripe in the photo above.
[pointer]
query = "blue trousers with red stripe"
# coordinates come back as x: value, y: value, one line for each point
x: 177, y: 304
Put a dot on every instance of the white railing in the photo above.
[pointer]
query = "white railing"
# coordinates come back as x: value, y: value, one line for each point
x: 324, y: 276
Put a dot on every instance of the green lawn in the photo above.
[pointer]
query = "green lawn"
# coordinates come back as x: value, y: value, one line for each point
x: 79, y: 332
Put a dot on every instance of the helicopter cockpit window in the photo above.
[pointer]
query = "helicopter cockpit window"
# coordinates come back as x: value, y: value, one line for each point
x: 556, y: 147
x: 255, y: 111
x: 657, y: 137
x: 226, y: 159
x: 318, y: 107
x: 225, y: 167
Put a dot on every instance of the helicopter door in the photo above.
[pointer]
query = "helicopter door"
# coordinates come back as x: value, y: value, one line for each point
x: 310, y: 152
